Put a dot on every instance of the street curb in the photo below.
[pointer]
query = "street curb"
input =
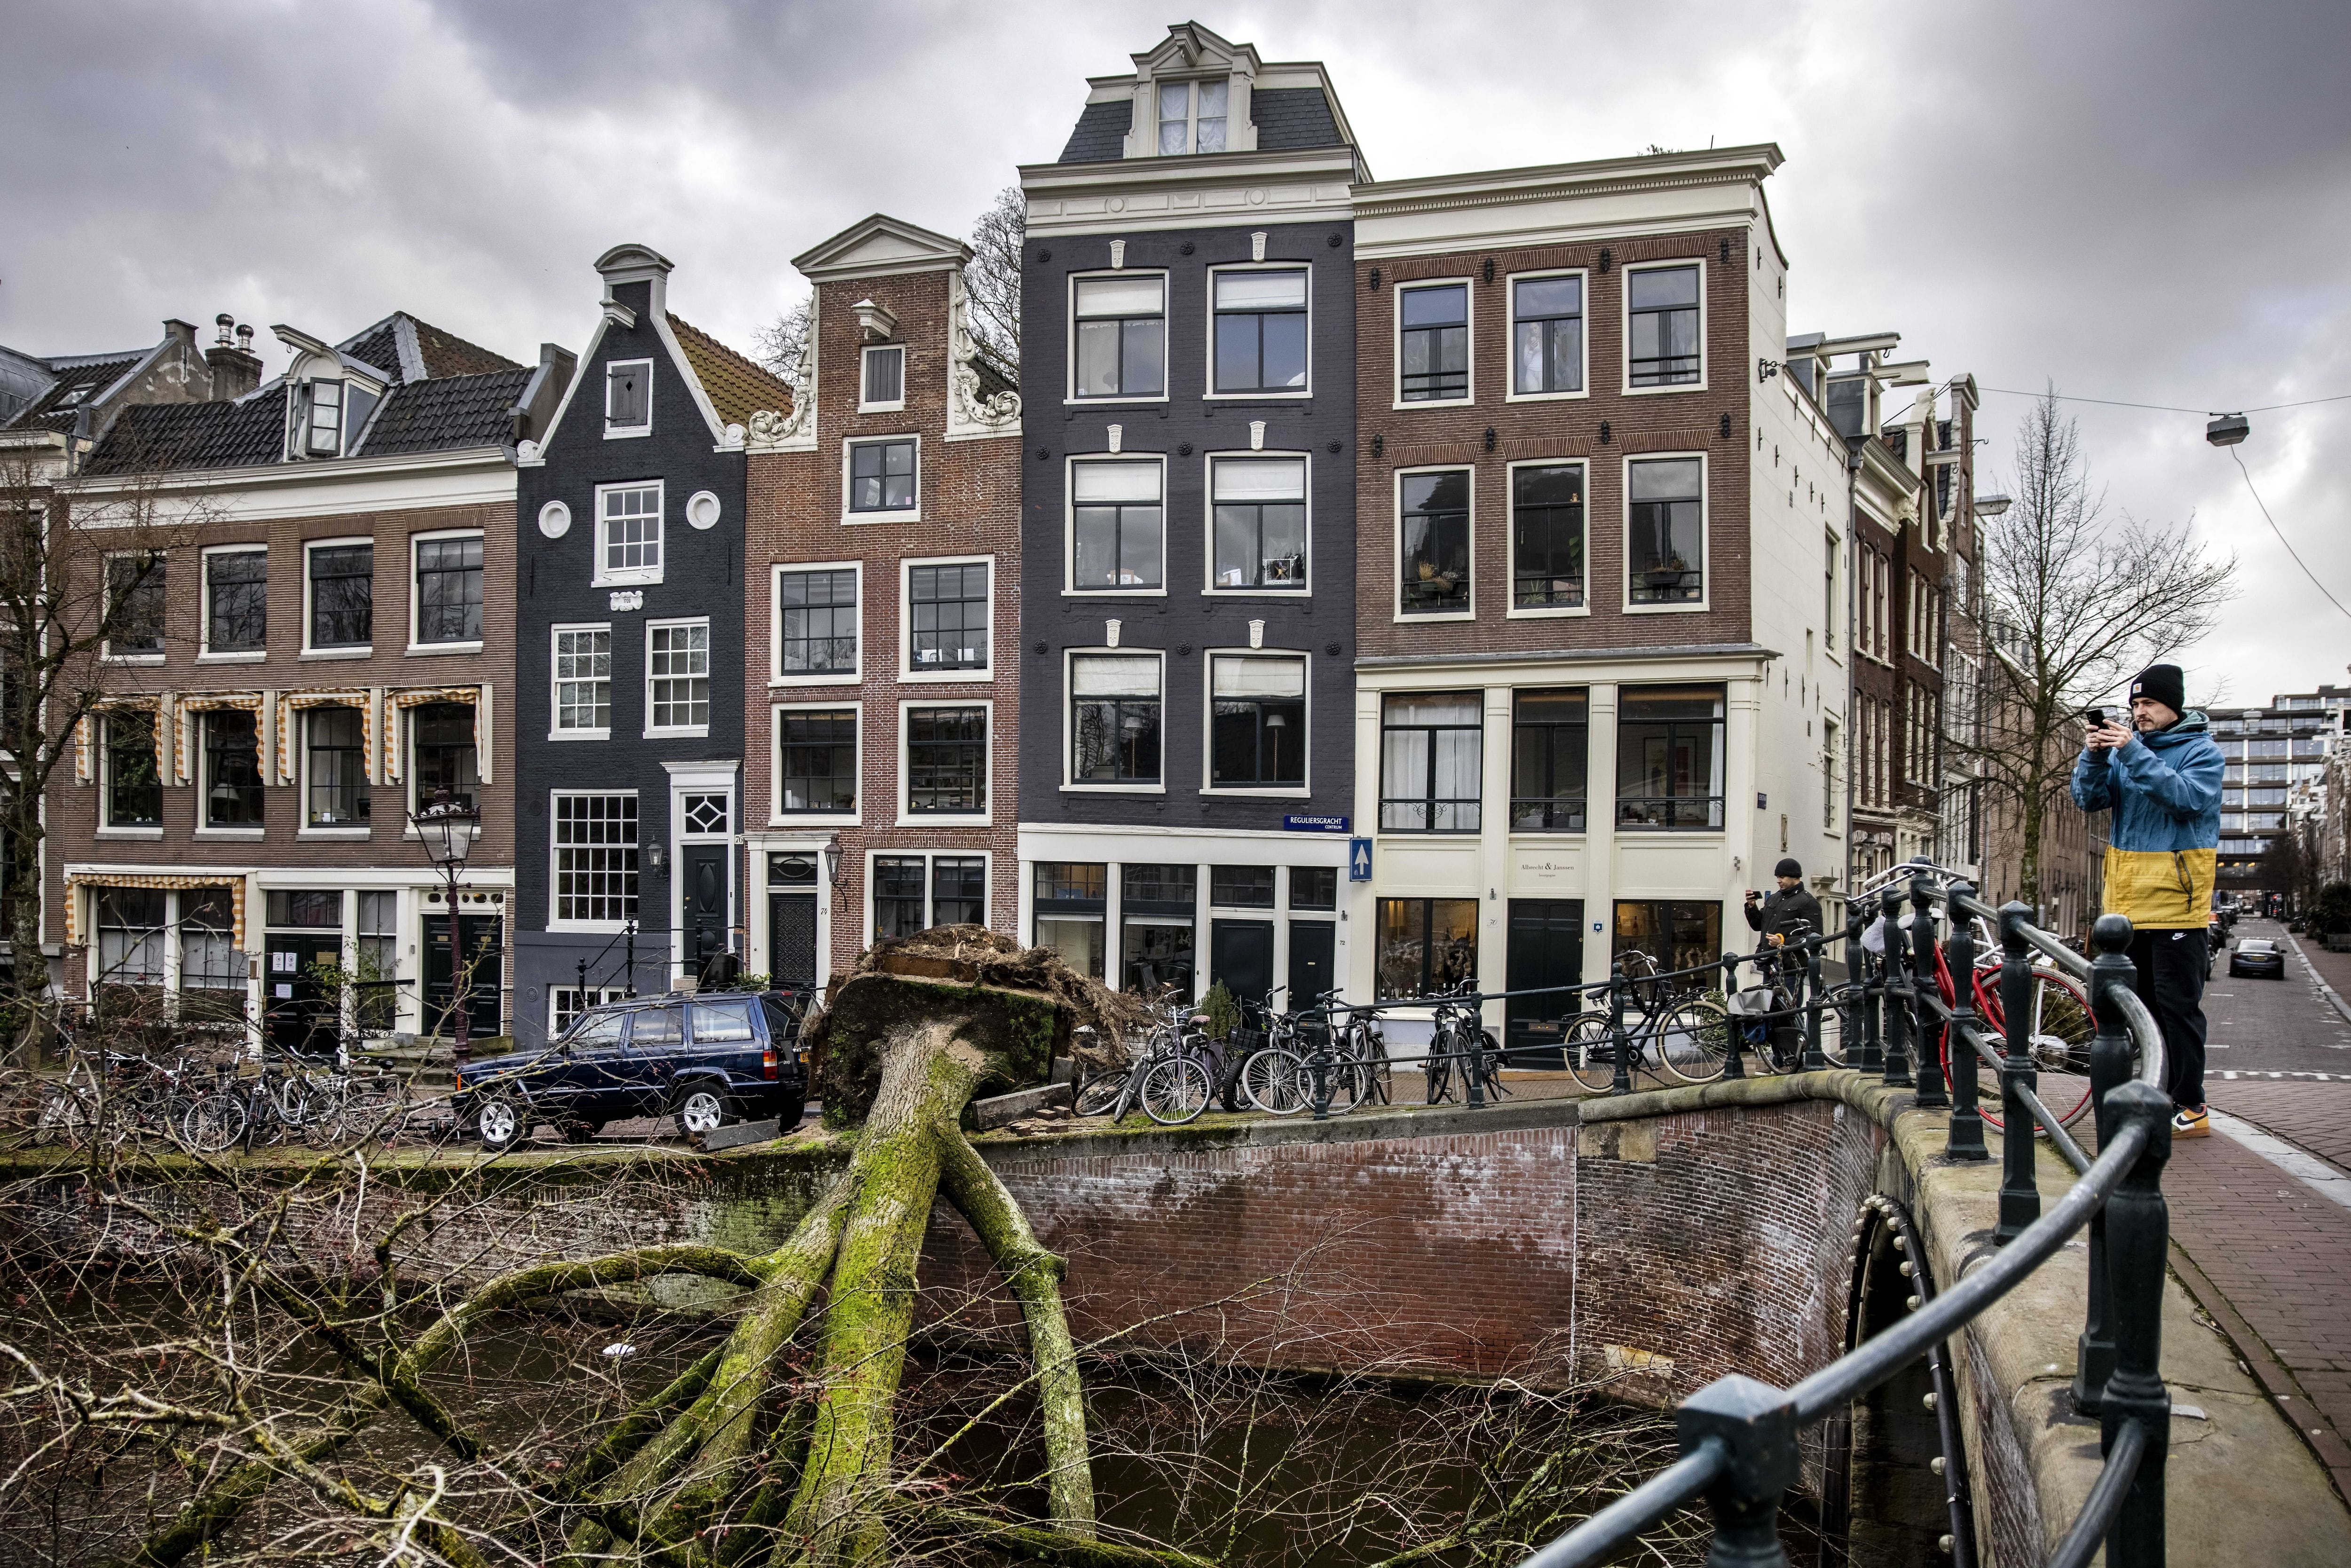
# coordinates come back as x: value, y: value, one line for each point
x: 2326, y: 1444
x: 2317, y: 979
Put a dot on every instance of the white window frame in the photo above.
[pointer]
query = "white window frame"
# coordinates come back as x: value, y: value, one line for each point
x: 1209, y: 361
x: 1166, y: 337
x: 1070, y: 784
x: 417, y: 596
x: 1305, y: 591
x: 779, y: 817
x: 555, y: 731
x: 628, y: 431
x: 864, y: 358
x: 906, y: 819
x: 1191, y: 113
x: 601, y: 994
x: 1624, y: 328
x: 1396, y: 290
x: 1510, y: 611
x: 709, y: 678
x: 103, y: 772
x: 600, y: 575
x: 1510, y: 392
x: 106, y: 591
x: 364, y: 651
x: 200, y: 757
x: 1396, y: 545
x: 927, y: 854
x: 1070, y: 463
x: 1209, y: 657
x: 848, y: 445
x: 303, y: 827
x: 907, y: 673
x: 777, y: 676
x: 204, y: 653
x: 554, y: 852
x: 1625, y: 533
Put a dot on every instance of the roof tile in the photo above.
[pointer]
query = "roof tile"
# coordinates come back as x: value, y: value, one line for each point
x: 737, y: 386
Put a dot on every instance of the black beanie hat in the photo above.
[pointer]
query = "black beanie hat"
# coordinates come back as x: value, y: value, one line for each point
x: 2163, y: 683
x: 1788, y: 867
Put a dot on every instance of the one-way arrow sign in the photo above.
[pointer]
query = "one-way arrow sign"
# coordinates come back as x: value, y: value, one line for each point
x: 1359, y: 860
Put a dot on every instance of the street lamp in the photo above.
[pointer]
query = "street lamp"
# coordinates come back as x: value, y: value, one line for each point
x: 2227, y: 429
x: 832, y: 866
x: 446, y: 828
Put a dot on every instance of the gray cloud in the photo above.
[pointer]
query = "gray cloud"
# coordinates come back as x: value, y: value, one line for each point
x: 2148, y: 201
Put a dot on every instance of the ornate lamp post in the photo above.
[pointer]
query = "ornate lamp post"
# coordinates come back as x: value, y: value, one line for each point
x: 832, y: 866
x: 447, y: 827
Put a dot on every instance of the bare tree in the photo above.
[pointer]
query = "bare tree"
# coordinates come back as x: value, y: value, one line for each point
x: 992, y: 281
x: 2073, y: 604
x: 782, y: 344
x: 80, y: 575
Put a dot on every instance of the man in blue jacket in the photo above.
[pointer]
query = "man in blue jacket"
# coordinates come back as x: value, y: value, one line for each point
x: 2161, y: 777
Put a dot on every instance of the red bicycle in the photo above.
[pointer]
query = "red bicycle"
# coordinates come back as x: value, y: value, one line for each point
x: 2060, y: 1026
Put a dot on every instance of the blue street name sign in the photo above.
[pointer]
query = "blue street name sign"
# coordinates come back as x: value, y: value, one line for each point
x: 1315, y: 824
x: 1359, y: 860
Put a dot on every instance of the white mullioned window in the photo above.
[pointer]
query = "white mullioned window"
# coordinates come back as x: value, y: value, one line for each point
x: 677, y: 676
x: 629, y: 533
x: 595, y: 848
x: 583, y: 681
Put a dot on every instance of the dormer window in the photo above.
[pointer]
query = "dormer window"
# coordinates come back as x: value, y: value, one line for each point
x: 328, y: 417
x: 1192, y: 117
x: 629, y: 398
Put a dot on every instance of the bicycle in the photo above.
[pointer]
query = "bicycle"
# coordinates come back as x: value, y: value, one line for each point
x: 1279, y: 1077
x: 2060, y: 1026
x: 1170, y: 1078
x: 1688, y: 1031
x: 1461, y: 1046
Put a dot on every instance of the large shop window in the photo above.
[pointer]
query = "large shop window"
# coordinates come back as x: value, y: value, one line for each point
x: 1436, y: 347
x: 915, y: 892
x: 449, y: 590
x: 1665, y: 547
x: 595, y: 859
x: 1427, y: 947
x: 1071, y: 901
x: 820, y: 622
x: 1114, y: 707
x: 1117, y: 523
x: 441, y: 736
x: 1157, y: 914
x: 212, y: 971
x: 1257, y: 723
x: 342, y: 596
x: 232, y: 776
x: 1431, y: 765
x: 134, y: 789
x: 1434, y: 538
x: 1549, y: 743
x: 1261, y: 332
x: 1121, y: 335
x: 1261, y: 511
x: 131, y: 932
x: 946, y: 760
x: 1547, y: 536
x: 335, y: 782
x: 816, y: 761
x: 1669, y: 757
x: 1677, y: 933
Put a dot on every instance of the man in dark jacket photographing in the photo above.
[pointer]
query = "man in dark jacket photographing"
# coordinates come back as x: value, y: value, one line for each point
x: 1789, y: 915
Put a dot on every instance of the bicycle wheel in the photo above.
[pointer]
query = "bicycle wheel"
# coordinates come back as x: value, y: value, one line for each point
x: 1693, y: 1040
x: 1375, y: 1082
x: 2061, y: 1027
x: 1491, y: 1066
x: 1836, y: 1007
x: 65, y: 1118
x: 1175, y: 1090
x: 1275, y: 1081
x: 212, y: 1123
x: 1102, y: 1091
x: 1591, y: 1052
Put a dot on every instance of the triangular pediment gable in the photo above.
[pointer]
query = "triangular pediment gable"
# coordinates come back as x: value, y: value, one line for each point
x: 1189, y: 47
x: 880, y: 245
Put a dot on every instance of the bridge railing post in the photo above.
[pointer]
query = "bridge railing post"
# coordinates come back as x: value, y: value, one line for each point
x: 1813, y: 1061
x: 1895, y: 993
x: 2138, y: 1231
x: 2020, y: 1192
x: 2110, y: 1067
x: 1756, y: 1424
x: 1865, y: 988
x: 1621, y: 1082
x: 1317, y: 1068
x: 1932, y: 1095
x: 1734, y: 1060
x: 1967, y: 1137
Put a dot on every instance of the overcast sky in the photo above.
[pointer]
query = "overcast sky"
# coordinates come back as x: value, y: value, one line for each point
x: 2149, y: 202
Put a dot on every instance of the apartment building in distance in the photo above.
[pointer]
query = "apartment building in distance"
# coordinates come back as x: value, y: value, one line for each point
x: 1601, y: 663
x: 883, y: 724
x: 630, y: 662
x: 2276, y: 781
x: 1189, y: 321
x: 330, y: 645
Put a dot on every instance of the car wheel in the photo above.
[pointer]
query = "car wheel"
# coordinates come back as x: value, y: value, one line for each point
x: 581, y: 1132
x: 699, y: 1112
x: 499, y: 1125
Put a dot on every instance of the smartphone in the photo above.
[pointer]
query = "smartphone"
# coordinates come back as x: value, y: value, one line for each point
x: 2094, y: 717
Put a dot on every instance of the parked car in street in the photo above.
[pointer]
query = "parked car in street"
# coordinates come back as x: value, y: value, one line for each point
x: 703, y: 1060
x: 2258, y: 957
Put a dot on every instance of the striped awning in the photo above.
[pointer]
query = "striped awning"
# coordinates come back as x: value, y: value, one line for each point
x: 79, y: 880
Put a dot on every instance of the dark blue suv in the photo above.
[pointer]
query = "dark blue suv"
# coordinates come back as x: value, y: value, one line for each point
x: 704, y: 1060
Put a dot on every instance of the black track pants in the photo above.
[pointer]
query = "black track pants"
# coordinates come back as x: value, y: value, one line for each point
x: 2171, y: 983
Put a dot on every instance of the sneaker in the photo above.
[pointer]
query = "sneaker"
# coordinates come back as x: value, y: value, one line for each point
x: 2187, y: 1124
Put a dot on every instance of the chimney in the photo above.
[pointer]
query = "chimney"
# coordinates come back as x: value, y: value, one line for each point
x: 237, y: 369
x: 536, y: 407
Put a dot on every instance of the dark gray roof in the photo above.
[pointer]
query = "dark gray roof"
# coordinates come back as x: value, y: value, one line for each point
x: 1100, y: 135
x: 150, y: 436
x: 86, y: 375
x: 1289, y: 117
x: 441, y: 353
x: 446, y: 413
